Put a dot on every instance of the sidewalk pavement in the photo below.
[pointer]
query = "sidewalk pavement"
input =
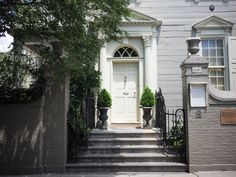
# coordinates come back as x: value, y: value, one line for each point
x: 141, y: 174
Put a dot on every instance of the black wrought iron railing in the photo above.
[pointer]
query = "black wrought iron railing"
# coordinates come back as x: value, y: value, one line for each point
x: 172, y: 125
x: 79, y: 127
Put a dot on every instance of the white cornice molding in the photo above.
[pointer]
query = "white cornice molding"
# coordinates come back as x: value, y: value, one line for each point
x: 144, y: 23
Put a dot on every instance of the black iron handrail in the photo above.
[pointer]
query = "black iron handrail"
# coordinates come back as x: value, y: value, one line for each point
x: 172, y: 125
x: 78, y: 137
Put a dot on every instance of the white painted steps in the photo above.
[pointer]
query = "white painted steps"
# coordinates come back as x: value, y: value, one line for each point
x: 125, y: 150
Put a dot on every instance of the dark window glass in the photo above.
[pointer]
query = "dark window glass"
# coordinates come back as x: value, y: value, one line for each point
x: 125, y: 52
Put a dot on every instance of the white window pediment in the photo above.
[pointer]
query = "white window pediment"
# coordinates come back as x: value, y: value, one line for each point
x: 213, y: 23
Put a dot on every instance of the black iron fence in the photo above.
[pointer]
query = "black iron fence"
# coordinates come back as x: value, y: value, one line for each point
x: 79, y: 127
x: 172, y: 125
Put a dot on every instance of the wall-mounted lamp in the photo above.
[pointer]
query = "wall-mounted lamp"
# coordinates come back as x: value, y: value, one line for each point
x: 212, y: 7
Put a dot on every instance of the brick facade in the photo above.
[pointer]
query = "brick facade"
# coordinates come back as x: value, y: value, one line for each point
x: 210, y: 145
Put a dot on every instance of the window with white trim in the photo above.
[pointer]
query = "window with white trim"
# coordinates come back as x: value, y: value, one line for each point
x: 215, y: 32
x: 214, y: 50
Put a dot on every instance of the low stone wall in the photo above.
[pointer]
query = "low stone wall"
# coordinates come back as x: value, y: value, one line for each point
x: 33, y: 136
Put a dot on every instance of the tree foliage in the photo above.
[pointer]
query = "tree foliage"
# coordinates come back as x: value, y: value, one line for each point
x: 14, y: 88
x: 68, y: 33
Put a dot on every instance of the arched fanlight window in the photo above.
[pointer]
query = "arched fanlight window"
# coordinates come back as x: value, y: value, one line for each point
x: 125, y: 52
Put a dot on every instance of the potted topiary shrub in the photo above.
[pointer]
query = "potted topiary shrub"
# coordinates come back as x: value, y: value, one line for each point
x: 147, y: 102
x: 104, y: 103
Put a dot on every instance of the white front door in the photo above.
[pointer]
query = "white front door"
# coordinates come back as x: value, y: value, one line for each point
x: 125, y: 93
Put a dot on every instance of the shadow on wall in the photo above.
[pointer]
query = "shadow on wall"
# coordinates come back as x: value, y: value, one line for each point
x: 20, y: 136
x: 33, y: 136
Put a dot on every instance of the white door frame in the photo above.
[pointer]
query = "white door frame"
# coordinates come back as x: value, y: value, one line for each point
x: 140, y: 83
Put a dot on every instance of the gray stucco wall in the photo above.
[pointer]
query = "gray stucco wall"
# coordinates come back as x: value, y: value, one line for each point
x: 55, y: 128
x: 21, y: 138
x: 33, y: 136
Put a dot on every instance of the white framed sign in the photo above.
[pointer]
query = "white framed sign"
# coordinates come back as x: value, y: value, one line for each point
x: 198, y: 95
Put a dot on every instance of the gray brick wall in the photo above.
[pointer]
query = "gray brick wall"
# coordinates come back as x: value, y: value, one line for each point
x: 210, y: 145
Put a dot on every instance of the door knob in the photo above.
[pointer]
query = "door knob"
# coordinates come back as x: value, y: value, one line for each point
x: 134, y: 94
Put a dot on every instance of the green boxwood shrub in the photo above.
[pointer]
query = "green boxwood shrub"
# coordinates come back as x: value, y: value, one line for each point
x: 177, y: 134
x: 147, y: 98
x: 104, y: 99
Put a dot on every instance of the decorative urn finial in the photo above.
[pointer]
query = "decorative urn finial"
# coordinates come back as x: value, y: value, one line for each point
x: 193, y: 45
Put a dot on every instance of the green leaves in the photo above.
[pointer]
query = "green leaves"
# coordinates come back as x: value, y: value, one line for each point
x: 20, y: 80
x: 177, y: 134
x: 104, y: 99
x: 76, y: 25
x: 147, y: 98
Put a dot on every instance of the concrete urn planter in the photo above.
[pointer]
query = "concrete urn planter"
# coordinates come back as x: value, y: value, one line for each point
x: 104, y: 103
x: 103, y: 114
x: 147, y: 102
x: 103, y: 117
x: 147, y: 116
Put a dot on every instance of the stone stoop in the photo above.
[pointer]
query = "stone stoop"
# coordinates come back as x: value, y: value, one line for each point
x: 129, y: 150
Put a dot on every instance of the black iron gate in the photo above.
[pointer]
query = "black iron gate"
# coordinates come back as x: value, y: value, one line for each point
x: 172, y: 125
x: 79, y: 127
